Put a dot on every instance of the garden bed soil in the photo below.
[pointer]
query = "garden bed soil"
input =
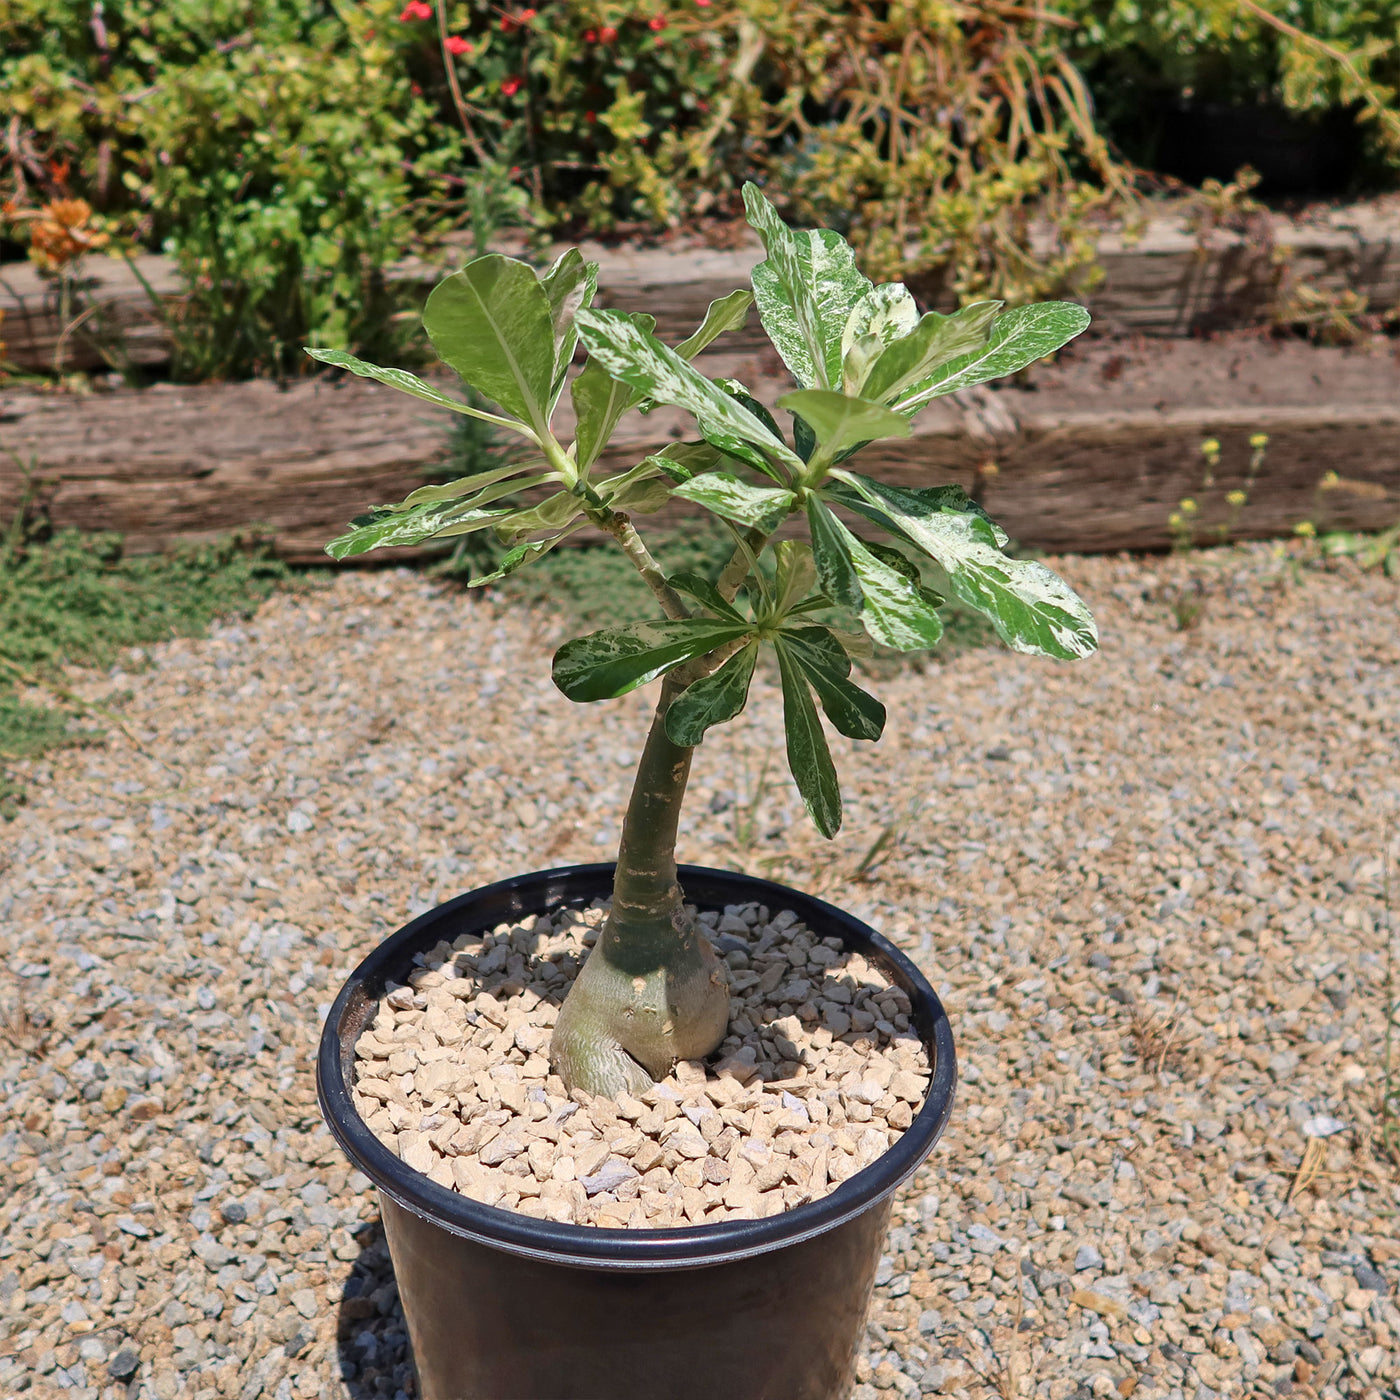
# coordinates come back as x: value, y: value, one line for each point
x: 818, y: 1076
x: 1092, y: 453
x: 1148, y: 887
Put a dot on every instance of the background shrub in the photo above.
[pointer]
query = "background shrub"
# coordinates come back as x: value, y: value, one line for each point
x: 288, y: 152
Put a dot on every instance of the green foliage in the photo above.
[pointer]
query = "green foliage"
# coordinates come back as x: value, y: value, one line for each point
x: 501, y: 325
x: 276, y: 147
x: 76, y: 599
x: 1341, y: 52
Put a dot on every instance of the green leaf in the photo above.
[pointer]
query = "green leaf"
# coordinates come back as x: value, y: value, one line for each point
x: 808, y: 756
x: 569, y: 285
x: 840, y: 421
x: 704, y: 592
x: 726, y: 314
x: 806, y: 290
x: 463, y: 486
x: 636, y: 357
x: 936, y: 340
x: 411, y: 384
x: 892, y: 558
x: 386, y: 527
x: 521, y: 555
x: 600, y: 402
x: 492, y: 323
x: 796, y: 573
x: 616, y: 660
x: 739, y: 392
x: 733, y: 499
x: 713, y: 700
x: 1019, y: 337
x: 852, y: 711
x: 683, y: 460
x: 835, y: 571
x: 1032, y: 609
x: 642, y: 496
x: 629, y: 489
x: 552, y: 513
x: 892, y: 609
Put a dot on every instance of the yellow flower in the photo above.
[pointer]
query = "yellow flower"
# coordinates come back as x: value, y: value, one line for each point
x: 1210, y: 448
x: 1236, y: 498
x: 1306, y: 529
x: 1188, y: 506
x: 1258, y: 440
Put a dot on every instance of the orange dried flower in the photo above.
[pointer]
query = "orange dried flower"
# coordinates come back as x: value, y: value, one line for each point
x: 60, y: 233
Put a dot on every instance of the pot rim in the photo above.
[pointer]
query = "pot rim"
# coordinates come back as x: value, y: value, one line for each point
x: 590, y: 1246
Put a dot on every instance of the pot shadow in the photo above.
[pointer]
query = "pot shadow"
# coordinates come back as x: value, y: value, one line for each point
x: 371, y: 1335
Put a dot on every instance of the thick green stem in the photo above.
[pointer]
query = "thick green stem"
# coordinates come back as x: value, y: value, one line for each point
x: 652, y: 991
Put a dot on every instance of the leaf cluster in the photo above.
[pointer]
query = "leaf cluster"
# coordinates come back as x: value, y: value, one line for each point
x: 864, y: 361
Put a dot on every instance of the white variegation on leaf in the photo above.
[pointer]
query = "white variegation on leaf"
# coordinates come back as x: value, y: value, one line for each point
x: 888, y: 312
x: 633, y: 355
x: 1033, y: 609
x: 386, y: 528
x: 734, y: 499
x: 611, y: 662
x: 935, y: 340
x: 1018, y: 338
x: 465, y: 485
x: 806, y: 290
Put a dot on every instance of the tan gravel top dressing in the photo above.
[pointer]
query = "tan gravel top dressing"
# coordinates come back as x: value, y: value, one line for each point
x: 1147, y: 885
x: 818, y: 1076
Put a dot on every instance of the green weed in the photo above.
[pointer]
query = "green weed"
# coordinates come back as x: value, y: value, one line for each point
x: 77, y: 599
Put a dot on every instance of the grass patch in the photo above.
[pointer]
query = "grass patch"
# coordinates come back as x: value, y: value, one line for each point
x: 76, y: 599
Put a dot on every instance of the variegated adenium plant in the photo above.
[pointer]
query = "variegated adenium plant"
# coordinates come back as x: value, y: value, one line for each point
x: 865, y: 361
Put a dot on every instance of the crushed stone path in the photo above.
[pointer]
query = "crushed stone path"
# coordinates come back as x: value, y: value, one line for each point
x: 1148, y: 886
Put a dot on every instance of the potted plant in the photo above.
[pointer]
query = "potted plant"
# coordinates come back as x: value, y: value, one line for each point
x: 510, y: 1302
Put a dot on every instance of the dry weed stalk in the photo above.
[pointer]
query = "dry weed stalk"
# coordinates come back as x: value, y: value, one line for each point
x: 1004, y: 1376
x: 29, y: 1036
x: 1155, y: 1033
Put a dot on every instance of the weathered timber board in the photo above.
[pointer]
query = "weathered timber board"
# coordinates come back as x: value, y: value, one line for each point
x: 1168, y: 282
x: 1091, y: 453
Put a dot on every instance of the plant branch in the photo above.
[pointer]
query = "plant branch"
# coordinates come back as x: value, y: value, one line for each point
x: 620, y: 527
x: 477, y: 149
x: 1374, y: 103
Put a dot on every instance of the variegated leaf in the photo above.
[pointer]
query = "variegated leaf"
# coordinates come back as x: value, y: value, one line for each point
x: 1032, y: 608
x: 1019, y: 337
x: 806, y: 290
x: 634, y: 356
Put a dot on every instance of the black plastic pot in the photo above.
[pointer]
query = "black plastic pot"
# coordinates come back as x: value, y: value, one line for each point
x: 501, y: 1306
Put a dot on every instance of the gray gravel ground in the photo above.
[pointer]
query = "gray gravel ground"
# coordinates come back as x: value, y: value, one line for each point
x: 1148, y: 886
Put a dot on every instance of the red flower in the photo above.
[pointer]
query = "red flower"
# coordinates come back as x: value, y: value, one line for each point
x: 415, y: 9
x: 607, y: 34
x: 511, y: 86
x: 590, y: 116
x: 526, y: 16
x: 456, y: 45
x: 657, y: 22
x: 704, y: 4
x: 590, y: 36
